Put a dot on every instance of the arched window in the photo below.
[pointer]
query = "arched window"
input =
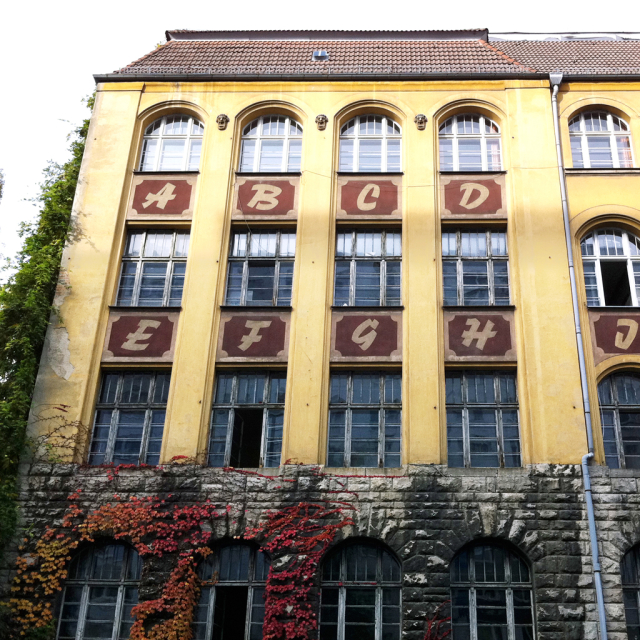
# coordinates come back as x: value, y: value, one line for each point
x: 600, y: 140
x: 99, y: 593
x: 370, y: 144
x: 232, y: 597
x: 630, y: 570
x: 619, y: 399
x: 271, y: 144
x: 611, y: 263
x: 470, y: 142
x: 172, y: 143
x: 491, y: 595
x: 361, y: 594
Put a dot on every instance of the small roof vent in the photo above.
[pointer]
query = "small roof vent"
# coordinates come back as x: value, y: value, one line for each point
x: 320, y: 55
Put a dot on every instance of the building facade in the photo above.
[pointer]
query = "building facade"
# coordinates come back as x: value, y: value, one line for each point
x: 324, y: 277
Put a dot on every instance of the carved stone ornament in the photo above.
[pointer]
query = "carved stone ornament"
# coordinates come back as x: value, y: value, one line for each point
x: 321, y: 121
x: 223, y: 121
x: 421, y: 121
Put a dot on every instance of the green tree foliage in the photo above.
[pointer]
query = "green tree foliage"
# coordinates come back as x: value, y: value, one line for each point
x: 25, y: 309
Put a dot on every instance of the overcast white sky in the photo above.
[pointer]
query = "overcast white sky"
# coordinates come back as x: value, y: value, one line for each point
x: 49, y: 51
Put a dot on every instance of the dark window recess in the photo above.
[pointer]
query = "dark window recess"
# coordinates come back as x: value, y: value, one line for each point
x: 229, y: 618
x: 615, y: 283
x: 246, y: 438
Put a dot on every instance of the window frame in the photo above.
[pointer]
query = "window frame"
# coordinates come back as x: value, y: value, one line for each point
x: 498, y: 406
x: 357, y: 137
x: 582, y: 135
x: 343, y: 584
x: 489, y: 258
x: 252, y: 584
x: 353, y: 259
x: 483, y: 136
x: 349, y: 406
x: 508, y: 586
x: 246, y: 261
x: 140, y: 260
x: 260, y: 137
x: 597, y: 258
x: 616, y: 408
x: 117, y: 406
x: 87, y: 583
x: 161, y: 137
x: 233, y: 405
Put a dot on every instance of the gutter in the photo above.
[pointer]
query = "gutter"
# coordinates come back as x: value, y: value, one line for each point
x: 555, y: 80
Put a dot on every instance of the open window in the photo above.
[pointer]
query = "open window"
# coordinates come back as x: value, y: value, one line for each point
x: 247, y: 419
x: 611, y: 264
x: 231, y: 605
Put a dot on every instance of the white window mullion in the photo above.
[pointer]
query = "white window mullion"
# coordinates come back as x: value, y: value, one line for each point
x: 82, y: 615
x: 473, y: 614
x: 342, y: 603
x: 599, y: 283
x: 115, y: 634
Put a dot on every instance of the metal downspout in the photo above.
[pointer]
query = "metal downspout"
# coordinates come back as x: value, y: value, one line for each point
x: 556, y: 79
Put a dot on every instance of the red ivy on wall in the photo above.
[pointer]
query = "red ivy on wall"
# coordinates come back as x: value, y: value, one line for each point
x: 299, y: 533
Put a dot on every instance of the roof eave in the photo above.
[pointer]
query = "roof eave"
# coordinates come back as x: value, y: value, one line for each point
x: 210, y: 77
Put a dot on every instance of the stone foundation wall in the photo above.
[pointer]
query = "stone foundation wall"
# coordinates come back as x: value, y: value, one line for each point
x: 425, y: 514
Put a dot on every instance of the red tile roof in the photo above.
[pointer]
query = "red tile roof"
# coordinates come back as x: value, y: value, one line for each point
x: 266, y: 57
x: 419, y: 55
x: 580, y: 57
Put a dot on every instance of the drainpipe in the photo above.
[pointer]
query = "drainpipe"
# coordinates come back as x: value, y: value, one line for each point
x: 556, y: 79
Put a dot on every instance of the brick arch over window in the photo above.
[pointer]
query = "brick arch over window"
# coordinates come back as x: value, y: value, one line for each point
x: 361, y: 593
x: 232, y: 597
x: 491, y: 593
x: 99, y: 593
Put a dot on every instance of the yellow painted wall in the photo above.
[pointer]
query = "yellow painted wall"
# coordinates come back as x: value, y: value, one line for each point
x: 552, y: 422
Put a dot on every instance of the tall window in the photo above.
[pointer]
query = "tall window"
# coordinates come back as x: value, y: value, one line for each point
x: 271, y: 144
x: 619, y: 399
x: 482, y: 419
x: 99, y: 593
x: 470, y: 142
x: 153, y: 268
x: 365, y: 419
x: 231, y: 605
x: 129, y: 420
x: 172, y: 143
x: 261, y: 268
x: 630, y: 570
x: 247, y: 419
x: 361, y: 594
x: 368, y: 268
x: 370, y: 144
x: 611, y: 263
x: 491, y: 595
x: 475, y: 268
x: 600, y: 140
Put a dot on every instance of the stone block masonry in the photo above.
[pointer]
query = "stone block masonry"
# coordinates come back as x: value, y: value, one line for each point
x: 424, y: 514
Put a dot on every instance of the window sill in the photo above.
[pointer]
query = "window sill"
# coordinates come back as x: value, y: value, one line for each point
x: 270, y: 174
x: 488, y: 307
x: 473, y: 173
x: 628, y: 171
x: 370, y: 173
x: 253, y: 307
x: 366, y: 308
x: 614, y: 309
x: 165, y: 173
x: 115, y: 307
